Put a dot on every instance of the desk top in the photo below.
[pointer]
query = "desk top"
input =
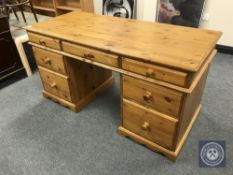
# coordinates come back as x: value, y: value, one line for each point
x: 173, y: 46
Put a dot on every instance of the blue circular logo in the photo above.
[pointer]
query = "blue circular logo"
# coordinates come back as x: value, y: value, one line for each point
x: 212, y: 154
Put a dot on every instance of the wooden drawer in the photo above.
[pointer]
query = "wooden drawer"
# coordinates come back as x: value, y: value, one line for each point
x: 156, y: 72
x: 91, y: 54
x: 55, y: 83
x: 152, y: 125
x: 44, y: 41
x: 151, y: 95
x: 50, y: 60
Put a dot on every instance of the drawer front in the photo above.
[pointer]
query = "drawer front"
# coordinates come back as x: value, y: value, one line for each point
x: 55, y: 84
x: 156, y: 72
x: 149, y: 124
x: 150, y: 95
x: 50, y: 60
x: 44, y: 41
x: 91, y: 54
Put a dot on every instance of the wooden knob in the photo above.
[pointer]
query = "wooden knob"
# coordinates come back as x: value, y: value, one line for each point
x: 53, y: 85
x: 145, y: 126
x: 42, y: 41
x: 147, y: 96
x: 150, y: 73
x: 89, y: 56
x: 47, y: 60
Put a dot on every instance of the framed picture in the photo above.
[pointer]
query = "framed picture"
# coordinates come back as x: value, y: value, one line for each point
x: 180, y: 12
x: 119, y: 8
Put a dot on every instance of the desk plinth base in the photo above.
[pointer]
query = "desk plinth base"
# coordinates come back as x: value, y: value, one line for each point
x: 170, y: 154
x: 84, y: 101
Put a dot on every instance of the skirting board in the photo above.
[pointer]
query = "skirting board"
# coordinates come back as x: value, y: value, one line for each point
x: 224, y: 49
x: 170, y: 154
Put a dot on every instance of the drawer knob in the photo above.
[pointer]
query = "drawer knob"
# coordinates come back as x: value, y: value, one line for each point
x: 53, y: 85
x: 150, y: 73
x: 47, y: 60
x: 147, y: 96
x: 89, y: 56
x: 42, y: 42
x: 145, y: 126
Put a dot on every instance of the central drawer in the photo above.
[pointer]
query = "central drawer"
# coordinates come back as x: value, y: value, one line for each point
x: 91, y: 54
x: 149, y: 124
x: 151, y: 95
x: 55, y: 84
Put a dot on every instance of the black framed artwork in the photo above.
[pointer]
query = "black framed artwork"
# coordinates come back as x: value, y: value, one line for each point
x: 180, y: 12
x: 119, y: 8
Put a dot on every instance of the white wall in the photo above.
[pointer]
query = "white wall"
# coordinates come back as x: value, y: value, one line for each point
x: 139, y: 10
x: 218, y: 12
x: 149, y: 10
x: 220, y: 18
x: 98, y: 6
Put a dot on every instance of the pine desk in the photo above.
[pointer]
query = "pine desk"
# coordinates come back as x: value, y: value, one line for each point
x: 163, y: 71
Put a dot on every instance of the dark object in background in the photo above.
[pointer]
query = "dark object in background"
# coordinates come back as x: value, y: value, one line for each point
x: 119, y: 8
x: 2, y: 7
x: 19, y: 4
x: 180, y: 12
x: 190, y: 13
x: 10, y: 62
x: 21, y: 74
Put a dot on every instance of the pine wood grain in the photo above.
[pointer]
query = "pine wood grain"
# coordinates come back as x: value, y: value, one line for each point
x: 156, y: 72
x: 87, y: 6
x: 173, y: 46
x: 153, y: 96
x: 163, y: 71
x: 150, y: 124
x: 49, y: 60
x: 44, y: 41
x: 55, y: 84
x: 170, y: 154
x: 84, y: 78
x: 190, y: 104
x: 120, y: 70
x: 91, y: 54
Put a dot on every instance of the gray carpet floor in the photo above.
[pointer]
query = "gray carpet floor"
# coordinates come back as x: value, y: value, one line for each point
x: 40, y: 137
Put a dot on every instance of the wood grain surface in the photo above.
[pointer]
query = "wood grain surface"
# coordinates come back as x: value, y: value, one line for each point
x: 153, y: 96
x: 173, y: 46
